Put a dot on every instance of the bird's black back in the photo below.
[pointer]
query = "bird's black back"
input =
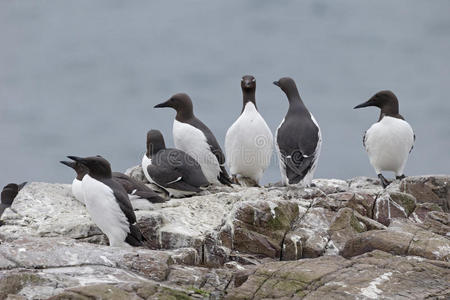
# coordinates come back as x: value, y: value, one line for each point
x: 179, y: 163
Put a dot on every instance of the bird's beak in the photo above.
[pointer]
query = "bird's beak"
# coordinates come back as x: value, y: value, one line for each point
x: 276, y: 83
x: 70, y: 164
x: 164, y: 104
x: 365, y: 104
x: 76, y: 158
x: 22, y: 185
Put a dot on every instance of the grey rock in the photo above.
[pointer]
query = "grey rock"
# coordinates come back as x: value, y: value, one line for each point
x: 400, y: 238
x: 345, y: 226
x: 376, y: 275
x: 228, y: 242
x: 429, y: 189
x: 47, y: 210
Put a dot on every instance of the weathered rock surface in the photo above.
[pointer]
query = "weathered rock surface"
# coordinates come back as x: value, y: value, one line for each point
x: 337, y: 239
x: 44, y: 267
x: 429, y: 189
x: 401, y: 238
x: 376, y: 275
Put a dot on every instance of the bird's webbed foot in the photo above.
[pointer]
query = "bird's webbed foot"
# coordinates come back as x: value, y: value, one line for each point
x: 384, y: 181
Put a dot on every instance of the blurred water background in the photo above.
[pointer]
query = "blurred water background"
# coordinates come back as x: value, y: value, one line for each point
x: 81, y: 77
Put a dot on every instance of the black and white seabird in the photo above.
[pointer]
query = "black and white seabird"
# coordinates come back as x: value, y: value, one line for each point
x: 135, y: 189
x: 193, y: 137
x: 172, y: 169
x: 388, y: 141
x: 298, y: 138
x: 108, y: 204
x: 249, y: 141
x: 8, y: 195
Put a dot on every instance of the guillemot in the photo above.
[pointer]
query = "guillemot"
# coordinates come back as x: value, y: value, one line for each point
x: 298, y: 138
x: 196, y: 139
x: 249, y: 141
x: 171, y: 169
x: 135, y: 189
x: 389, y: 141
x: 108, y: 204
x: 8, y: 195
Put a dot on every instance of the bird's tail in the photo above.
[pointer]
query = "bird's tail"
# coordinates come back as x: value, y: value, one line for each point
x: 135, y: 237
x: 224, y: 178
x: 150, y: 196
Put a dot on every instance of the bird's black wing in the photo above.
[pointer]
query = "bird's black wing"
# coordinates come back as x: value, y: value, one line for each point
x: 211, y: 139
x: 188, y: 167
x: 364, y: 139
x: 297, y: 142
x: 214, y: 147
x: 135, y: 187
x: 122, y: 199
x: 175, y: 169
x: 134, y: 237
x: 170, y: 179
x: 413, y: 143
x: 150, y: 196
x: 163, y: 174
x: 125, y: 181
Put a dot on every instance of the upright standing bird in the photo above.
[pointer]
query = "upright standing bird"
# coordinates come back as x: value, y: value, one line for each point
x: 8, y: 195
x: 249, y: 141
x: 171, y: 169
x: 193, y: 137
x: 298, y: 138
x: 389, y: 141
x: 134, y: 188
x: 108, y: 204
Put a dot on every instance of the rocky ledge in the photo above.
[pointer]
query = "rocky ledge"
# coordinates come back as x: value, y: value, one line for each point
x: 335, y: 240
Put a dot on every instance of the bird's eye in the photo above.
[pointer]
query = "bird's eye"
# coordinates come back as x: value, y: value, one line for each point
x: 253, y: 80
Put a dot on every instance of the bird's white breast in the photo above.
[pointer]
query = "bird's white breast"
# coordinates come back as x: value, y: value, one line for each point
x: 284, y: 179
x: 388, y: 143
x: 145, y: 163
x: 249, y: 144
x: 77, y: 190
x: 105, y: 211
x: 192, y: 141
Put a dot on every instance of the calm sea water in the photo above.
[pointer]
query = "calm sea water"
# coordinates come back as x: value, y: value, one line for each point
x: 82, y: 77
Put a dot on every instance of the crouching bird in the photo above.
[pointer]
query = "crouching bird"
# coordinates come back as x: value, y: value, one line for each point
x: 8, y: 195
x: 108, y: 204
x: 171, y: 169
x: 389, y: 141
